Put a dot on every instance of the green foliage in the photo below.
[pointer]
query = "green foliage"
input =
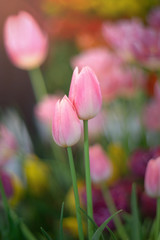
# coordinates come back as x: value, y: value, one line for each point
x: 91, y: 220
x: 135, y: 222
x: 13, y: 228
x: 46, y: 234
x: 99, y: 231
x: 61, y: 223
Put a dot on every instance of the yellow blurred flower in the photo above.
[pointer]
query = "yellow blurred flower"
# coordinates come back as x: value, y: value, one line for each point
x: 104, y: 8
x: 71, y: 226
x: 118, y: 157
x: 69, y: 200
x: 114, y: 8
x: 18, y: 190
x: 37, y: 174
x: 80, y: 5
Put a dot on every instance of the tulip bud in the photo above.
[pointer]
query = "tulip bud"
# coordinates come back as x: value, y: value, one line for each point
x: 85, y: 93
x: 25, y: 43
x: 66, y: 128
x: 100, y: 165
x: 152, y: 178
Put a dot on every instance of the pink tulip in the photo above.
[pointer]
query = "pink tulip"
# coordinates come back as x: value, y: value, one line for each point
x: 147, y: 49
x: 152, y: 178
x: 44, y: 110
x: 115, y: 79
x: 85, y: 93
x: 122, y: 35
x: 100, y: 165
x: 66, y: 128
x: 25, y: 43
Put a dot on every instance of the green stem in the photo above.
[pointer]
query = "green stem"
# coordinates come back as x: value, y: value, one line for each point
x: 112, y: 208
x: 88, y: 180
x: 157, y: 219
x: 4, y: 198
x: 75, y: 188
x: 38, y: 83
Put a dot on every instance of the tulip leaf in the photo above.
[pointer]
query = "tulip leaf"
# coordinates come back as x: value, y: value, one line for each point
x: 99, y: 231
x: 45, y: 234
x: 18, y: 228
x: 15, y: 228
x: 61, y: 223
x: 136, y: 228
x: 111, y: 233
x: 92, y: 221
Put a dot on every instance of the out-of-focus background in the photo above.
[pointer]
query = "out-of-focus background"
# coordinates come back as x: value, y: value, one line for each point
x: 120, y: 41
x: 71, y: 26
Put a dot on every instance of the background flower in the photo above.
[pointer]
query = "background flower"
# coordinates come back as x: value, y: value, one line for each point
x: 115, y: 79
x: 25, y: 43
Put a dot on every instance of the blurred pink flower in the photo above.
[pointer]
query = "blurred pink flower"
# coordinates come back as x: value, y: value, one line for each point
x: 44, y: 110
x: 122, y: 35
x: 96, y: 125
x: 147, y: 49
x: 121, y: 81
x: 154, y: 18
x: 152, y: 178
x: 25, y: 43
x: 66, y: 127
x: 8, y: 145
x: 100, y: 165
x: 85, y: 93
x: 115, y: 79
x: 99, y: 59
x: 151, y: 115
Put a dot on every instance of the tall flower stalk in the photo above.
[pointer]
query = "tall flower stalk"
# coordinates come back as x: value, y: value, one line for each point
x: 66, y: 131
x: 88, y: 180
x: 76, y: 196
x: 38, y: 83
x: 85, y: 94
